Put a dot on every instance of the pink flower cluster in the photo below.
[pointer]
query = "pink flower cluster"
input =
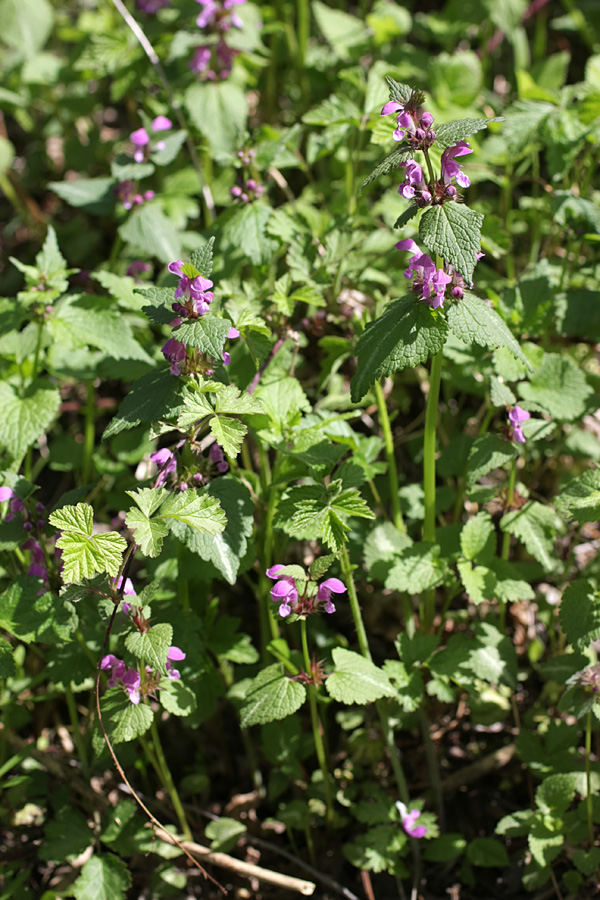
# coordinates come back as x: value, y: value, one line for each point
x: 285, y: 592
x: 411, y: 125
x: 131, y: 680
x: 166, y: 462
x: 127, y: 193
x: 248, y: 192
x: 197, y: 297
x: 143, y: 142
x: 213, y: 61
x: 430, y: 282
x: 33, y: 524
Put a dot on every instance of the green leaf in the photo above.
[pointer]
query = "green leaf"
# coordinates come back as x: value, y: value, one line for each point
x: 95, y: 195
x: 487, y: 852
x: 173, y: 143
x: 224, y: 833
x: 153, y: 397
x: 489, y: 452
x: 545, y: 843
x: 219, y: 111
x: 536, y: 526
x: 207, y: 334
x: 389, y: 163
x: 589, y: 862
x: 476, y: 537
x: 320, y: 565
x: 311, y: 511
x: 555, y: 794
x: 445, y: 848
x: 24, y: 418
x: 271, y: 696
x: 479, y: 582
x: 148, y: 229
x: 405, y: 217
x: 177, y: 699
x: 558, y: 387
x: 30, y: 617
x: 152, y: 646
x: 102, y: 878
x: 196, y: 406
x: 453, y: 231
x: 202, y: 259
x: 124, y: 721
x: 473, y: 321
x: 500, y: 393
x: 84, y: 553
x: 336, y: 110
x: 231, y: 400
x: 407, y: 333
x: 66, y: 837
x: 449, y: 133
x: 198, y: 511
x: 579, y: 614
x: 86, y: 321
x: 341, y: 30
x: 226, y: 550
x: 581, y: 497
x: 418, y: 569
x: 356, y: 679
x: 246, y: 231
x: 7, y: 662
x: 149, y: 533
x: 26, y: 25
x: 229, y: 433
x: 379, y: 850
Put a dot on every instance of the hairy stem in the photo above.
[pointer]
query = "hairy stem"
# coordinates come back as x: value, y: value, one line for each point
x: 429, y: 443
x: 384, y: 421
x: 316, y: 726
x: 168, y: 782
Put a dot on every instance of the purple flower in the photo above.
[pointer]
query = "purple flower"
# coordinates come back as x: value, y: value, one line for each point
x: 167, y: 464
x: 174, y: 654
x: 6, y: 493
x: 161, y: 123
x: 208, y: 14
x: 129, y: 678
x: 216, y: 456
x: 200, y: 62
x: 515, y: 417
x: 392, y: 106
x: 194, y: 290
x: 284, y: 591
x: 326, y: 588
x: 431, y: 282
x: 408, y: 821
x: 451, y: 169
x: 141, y: 139
x: 136, y: 268
x: 414, y: 179
x: 231, y: 334
x: 174, y: 352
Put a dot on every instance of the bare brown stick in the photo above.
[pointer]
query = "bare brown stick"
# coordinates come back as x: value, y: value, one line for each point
x: 171, y: 838
x: 173, y: 103
x: 246, y: 870
x: 481, y: 767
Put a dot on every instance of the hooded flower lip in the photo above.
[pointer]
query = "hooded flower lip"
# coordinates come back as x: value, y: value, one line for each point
x: 450, y: 168
x: 174, y: 655
x: 167, y: 463
x: 129, y: 678
x: 326, y: 588
x: 284, y: 591
x: 517, y: 415
x: 409, y: 817
x: 431, y: 282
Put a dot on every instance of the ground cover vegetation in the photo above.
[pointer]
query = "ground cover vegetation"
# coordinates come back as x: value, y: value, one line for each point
x: 299, y: 443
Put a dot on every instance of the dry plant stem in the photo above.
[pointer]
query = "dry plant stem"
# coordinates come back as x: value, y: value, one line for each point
x: 244, y: 869
x: 139, y: 801
x: 153, y: 57
x: 384, y: 421
x: 318, y: 876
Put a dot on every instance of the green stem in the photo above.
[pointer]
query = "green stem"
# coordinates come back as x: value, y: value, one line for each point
x: 168, y: 783
x: 34, y: 371
x: 384, y: 421
x: 183, y: 587
x: 510, y: 494
x: 432, y: 765
x: 429, y: 446
x: 316, y: 727
x: 588, y: 777
x: 361, y: 633
x: 429, y: 168
x: 89, y: 433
